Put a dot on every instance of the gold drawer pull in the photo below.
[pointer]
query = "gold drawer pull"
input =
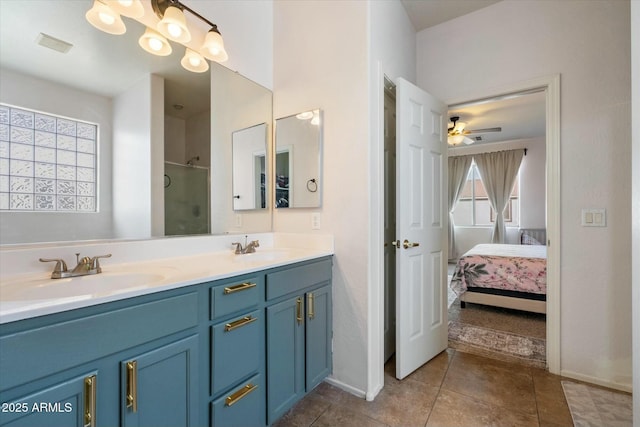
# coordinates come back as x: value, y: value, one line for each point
x: 90, y: 401
x: 132, y: 385
x: 311, y: 306
x: 299, y: 317
x: 235, y: 397
x: 240, y: 287
x: 239, y: 323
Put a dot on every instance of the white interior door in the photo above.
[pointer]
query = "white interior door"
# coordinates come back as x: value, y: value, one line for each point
x: 421, y: 325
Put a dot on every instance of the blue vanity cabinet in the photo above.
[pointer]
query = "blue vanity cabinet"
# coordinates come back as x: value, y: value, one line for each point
x: 69, y: 364
x: 299, y: 333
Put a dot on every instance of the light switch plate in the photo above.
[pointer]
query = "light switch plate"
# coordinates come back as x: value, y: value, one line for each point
x: 315, y: 221
x: 238, y: 220
x: 594, y: 218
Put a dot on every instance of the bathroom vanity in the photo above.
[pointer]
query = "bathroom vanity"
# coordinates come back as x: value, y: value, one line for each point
x: 234, y: 348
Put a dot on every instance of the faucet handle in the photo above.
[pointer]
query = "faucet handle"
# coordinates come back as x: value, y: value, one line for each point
x: 238, y: 247
x: 95, y: 262
x: 61, y: 266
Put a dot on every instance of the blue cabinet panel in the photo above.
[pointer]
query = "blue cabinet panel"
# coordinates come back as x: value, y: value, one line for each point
x: 318, y: 336
x: 237, y: 349
x: 243, y: 406
x: 285, y: 356
x: 62, y: 405
x: 237, y: 295
x: 296, y: 278
x: 75, y: 342
x: 162, y: 386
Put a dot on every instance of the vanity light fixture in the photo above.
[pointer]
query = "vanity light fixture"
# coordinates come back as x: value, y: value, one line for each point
x: 155, y: 43
x: 193, y: 61
x: 130, y: 8
x: 105, y: 18
x: 305, y: 115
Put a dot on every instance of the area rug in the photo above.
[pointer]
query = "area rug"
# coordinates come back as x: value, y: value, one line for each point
x: 596, y: 407
x: 496, y: 344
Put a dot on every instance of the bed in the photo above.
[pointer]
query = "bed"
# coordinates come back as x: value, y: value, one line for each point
x: 510, y: 276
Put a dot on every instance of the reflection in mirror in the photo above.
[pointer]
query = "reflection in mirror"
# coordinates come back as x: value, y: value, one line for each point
x: 249, y: 153
x: 108, y: 80
x: 298, y: 154
x: 238, y: 105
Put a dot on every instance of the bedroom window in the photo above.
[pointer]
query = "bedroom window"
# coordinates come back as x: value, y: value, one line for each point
x: 474, y: 209
x: 47, y: 163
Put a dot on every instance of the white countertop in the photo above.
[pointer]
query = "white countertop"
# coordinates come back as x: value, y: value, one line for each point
x: 36, y: 294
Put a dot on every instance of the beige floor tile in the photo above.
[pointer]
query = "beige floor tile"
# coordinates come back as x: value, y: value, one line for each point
x: 304, y: 413
x: 456, y: 410
x: 552, y: 405
x: 493, y: 382
x: 340, y: 416
x: 432, y: 373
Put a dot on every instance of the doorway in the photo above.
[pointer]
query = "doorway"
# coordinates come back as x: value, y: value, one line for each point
x: 551, y: 86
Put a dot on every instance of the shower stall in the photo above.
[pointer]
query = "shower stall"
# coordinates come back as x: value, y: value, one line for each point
x: 186, y: 199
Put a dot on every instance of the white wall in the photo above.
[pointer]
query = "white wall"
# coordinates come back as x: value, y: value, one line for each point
x: 320, y: 61
x: 174, y: 139
x: 635, y: 226
x: 587, y: 42
x: 198, y: 138
x: 48, y: 97
x: 138, y: 160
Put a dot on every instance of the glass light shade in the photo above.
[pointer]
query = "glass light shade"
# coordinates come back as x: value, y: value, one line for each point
x: 174, y: 25
x: 193, y: 61
x: 130, y: 8
x: 455, y: 139
x: 213, y: 47
x: 305, y: 115
x: 459, y: 127
x: 154, y: 43
x: 105, y: 19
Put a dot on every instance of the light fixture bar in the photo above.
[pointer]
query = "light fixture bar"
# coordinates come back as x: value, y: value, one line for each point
x: 160, y: 6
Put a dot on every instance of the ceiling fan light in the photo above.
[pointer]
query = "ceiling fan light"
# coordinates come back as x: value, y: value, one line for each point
x: 129, y: 8
x: 456, y: 139
x: 105, y: 19
x: 459, y: 127
x: 213, y: 46
x: 174, y: 25
x: 154, y: 43
x: 467, y: 140
x: 193, y: 61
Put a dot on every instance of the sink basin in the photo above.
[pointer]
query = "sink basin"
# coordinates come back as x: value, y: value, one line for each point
x: 103, y: 284
x: 262, y: 256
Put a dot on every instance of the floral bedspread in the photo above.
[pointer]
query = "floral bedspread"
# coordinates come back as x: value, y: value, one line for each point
x: 521, y: 268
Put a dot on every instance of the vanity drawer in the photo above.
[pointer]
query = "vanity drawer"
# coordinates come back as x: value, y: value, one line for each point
x: 236, y: 295
x: 293, y: 279
x: 243, y: 406
x: 237, y: 349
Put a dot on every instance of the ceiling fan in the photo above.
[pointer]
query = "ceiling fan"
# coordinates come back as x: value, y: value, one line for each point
x: 458, y: 133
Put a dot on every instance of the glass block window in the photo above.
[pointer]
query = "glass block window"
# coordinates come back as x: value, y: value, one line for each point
x: 47, y: 163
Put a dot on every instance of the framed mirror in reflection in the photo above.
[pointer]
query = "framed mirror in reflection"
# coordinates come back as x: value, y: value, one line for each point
x: 132, y: 97
x: 298, y: 154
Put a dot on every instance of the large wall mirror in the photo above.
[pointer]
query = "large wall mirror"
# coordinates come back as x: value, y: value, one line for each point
x: 161, y: 129
x: 298, y: 154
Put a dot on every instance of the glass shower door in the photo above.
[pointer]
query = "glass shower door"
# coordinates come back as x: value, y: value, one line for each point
x: 186, y: 199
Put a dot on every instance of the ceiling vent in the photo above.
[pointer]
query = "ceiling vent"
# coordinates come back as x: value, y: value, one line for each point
x: 478, y: 138
x: 53, y: 43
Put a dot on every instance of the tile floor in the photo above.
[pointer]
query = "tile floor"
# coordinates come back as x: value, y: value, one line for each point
x: 453, y: 389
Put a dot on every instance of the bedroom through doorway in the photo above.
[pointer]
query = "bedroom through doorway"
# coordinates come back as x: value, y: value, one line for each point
x: 502, y: 313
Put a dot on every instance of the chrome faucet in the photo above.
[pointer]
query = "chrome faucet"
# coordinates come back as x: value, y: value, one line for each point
x: 249, y: 248
x: 85, y: 266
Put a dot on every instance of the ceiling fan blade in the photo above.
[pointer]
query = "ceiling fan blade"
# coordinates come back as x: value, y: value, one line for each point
x: 470, y: 131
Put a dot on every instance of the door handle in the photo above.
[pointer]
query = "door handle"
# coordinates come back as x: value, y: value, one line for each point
x: 396, y: 243
x: 408, y: 245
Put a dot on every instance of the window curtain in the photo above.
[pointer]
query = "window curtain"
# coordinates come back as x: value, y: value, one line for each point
x: 498, y: 172
x: 458, y: 170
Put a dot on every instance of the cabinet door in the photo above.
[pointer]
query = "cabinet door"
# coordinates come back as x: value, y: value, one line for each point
x: 285, y: 356
x: 318, y: 336
x: 160, y: 387
x: 66, y: 404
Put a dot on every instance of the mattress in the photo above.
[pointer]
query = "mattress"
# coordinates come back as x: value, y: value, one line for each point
x: 509, y: 268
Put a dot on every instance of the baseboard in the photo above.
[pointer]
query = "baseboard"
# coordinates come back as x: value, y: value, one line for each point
x: 597, y: 381
x: 346, y: 387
